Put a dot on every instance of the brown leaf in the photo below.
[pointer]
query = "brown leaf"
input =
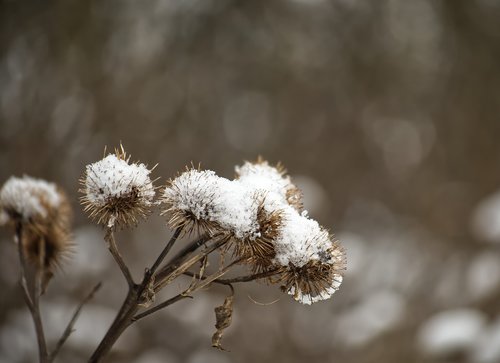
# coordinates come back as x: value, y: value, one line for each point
x: 223, y: 317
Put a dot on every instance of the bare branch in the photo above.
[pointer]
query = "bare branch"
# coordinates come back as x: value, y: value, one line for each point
x: 172, y: 271
x: 248, y: 278
x: 161, y: 306
x: 69, y: 328
x: 165, y: 251
x: 110, y: 239
x: 32, y: 301
x: 233, y: 280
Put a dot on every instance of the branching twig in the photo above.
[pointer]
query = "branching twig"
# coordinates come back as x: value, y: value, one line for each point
x: 178, y: 267
x: 69, y: 328
x: 186, y: 294
x: 160, y: 306
x: 136, y: 296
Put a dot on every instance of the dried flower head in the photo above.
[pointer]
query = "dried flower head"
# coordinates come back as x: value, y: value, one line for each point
x: 189, y: 200
x: 260, y: 214
x: 43, y: 213
x: 117, y: 192
x: 318, y: 279
x: 26, y: 198
x: 258, y: 250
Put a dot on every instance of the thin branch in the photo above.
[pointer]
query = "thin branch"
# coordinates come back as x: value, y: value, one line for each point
x: 177, y: 259
x: 161, y: 306
x: 247, y: 278
x: 165, y: 276
x: 185, y: 294
x: 32, y: 301
x: 69, y: 328
x: 151, y: 283
x: 191, y: 247
x: 165, y: 251
x: 110, y: 238
x: 233, y: 280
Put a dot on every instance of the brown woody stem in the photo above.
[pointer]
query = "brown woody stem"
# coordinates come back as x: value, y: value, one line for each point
x: 110, y: 239
x: 135, y: 297
x: 32, y: 300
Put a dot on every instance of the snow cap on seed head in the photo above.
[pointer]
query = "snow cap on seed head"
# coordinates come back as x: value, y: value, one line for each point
x: 116, y: 192
x: 42, y: 216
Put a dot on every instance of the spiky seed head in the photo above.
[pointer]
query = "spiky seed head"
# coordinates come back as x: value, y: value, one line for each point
x: 116, y: 192
x: 259, y: 251
x: 188, y: 200
x: 318, y: 279
x: 43, y: 212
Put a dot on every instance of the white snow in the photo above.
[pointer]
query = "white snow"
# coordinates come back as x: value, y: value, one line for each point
x: 27, y: 195
x: 301, y: 239
x: 113, y: 177
x: 450, y: 331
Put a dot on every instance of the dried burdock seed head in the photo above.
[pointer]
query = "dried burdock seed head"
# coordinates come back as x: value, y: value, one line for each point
x: 117, y: 193
x: 258, y: 250
x: 259, y: 214
x: 261, y: 175
x: 189, y: 200
x: 25, y: 199
x: 318, y: 279
x: 43, y: 213
x: 312, y: 263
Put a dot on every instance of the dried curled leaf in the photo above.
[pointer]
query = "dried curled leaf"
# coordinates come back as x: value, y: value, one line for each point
x: 223, y: 317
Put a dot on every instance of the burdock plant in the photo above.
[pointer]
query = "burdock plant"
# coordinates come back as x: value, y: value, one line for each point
x: 255, y: 220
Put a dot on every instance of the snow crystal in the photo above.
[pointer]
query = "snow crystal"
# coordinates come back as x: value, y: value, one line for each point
x: 29, y: 197
x: 113, y: 177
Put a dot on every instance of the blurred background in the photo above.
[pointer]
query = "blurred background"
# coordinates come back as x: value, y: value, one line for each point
x: 386, y: 113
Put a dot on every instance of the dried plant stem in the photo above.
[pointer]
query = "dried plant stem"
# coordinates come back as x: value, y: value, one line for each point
x: 110, y: 239
x: 257, y: 276
x: 233, y: 280
x: 179, y: 265
x: 160, y: 306
x: 136, y: 296
x: 69, y: 328
x: 32, y: 300
x: 204, y: 281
